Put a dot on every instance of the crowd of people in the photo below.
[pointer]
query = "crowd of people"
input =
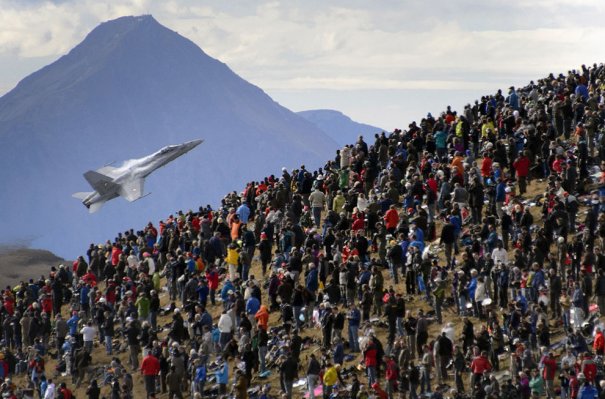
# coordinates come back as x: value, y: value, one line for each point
x: 461, y: 257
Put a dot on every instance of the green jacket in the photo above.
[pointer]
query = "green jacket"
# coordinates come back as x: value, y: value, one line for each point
x: 143, y: 306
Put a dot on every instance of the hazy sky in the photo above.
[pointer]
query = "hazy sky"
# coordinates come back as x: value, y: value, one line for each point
x: 380, y: 62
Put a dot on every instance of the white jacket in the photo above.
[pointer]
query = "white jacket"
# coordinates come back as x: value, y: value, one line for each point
x: 225, y: 323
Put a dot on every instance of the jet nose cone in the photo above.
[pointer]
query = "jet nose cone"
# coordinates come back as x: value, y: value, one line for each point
x: 195, y: 143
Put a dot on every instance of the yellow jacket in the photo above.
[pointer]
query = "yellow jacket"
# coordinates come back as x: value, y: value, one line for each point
x: 330, y: 376
x: 232, y: 256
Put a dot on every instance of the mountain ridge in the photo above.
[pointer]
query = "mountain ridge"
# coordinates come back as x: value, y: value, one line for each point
x: 339, y: 126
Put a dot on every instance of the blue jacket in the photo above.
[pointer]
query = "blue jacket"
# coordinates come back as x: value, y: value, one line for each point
x: 203, y: 292
x: 513, y: 100
x: 588, y: 392
x: 472, y: 287
x: 339, y: 354
x: 364, y: 277
x: 222, y: 375
x: 419, y: 234
x: 226, y: 287
x: 538, y: 279
x: 84, y: 295
x: 252, y: 305
x: 457, y: 222
x: 243, y: 212
x: 311, y: 282
x: 521, y: 300
x: 206, y: 320
x: 191, y: 265
x: 200, y: 374
x: 500, y: 192
x: 418, y: 244
x: 404, y: 249
x: 492, y: 240
x: 72, y: 323
x: 582, y: 90
x: 354, y: 318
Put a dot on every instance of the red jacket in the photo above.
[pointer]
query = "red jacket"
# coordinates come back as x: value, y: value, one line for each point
x: 550, y: 368
x: 379, y: 391
x: 486, y: 167
x: 370, y: 356
x: 66, y: 393
x: 9, y: 305
x: 115, y: 256
x: 480, y: 364
x: 589, y: 368
x: 212, y: 278
x: 47, y: 304
x: 599, y: 342
x: 358, y: 224
x: 391, y: 219
x: 392, y: 372
x: 150, y: 365
x: 522, y: 166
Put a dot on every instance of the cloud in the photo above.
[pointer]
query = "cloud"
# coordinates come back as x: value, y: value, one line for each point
x: 341, y: 45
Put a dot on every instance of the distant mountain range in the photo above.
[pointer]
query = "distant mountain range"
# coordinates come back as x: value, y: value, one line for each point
x: 339, y: 126
x: 131, y: 87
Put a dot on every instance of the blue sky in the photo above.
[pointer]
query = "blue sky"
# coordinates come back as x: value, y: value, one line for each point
x: 380, y: 62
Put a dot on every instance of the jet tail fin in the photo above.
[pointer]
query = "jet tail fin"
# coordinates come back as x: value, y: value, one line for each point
x: 81, y: 195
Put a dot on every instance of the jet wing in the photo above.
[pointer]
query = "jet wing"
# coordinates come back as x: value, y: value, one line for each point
x: 101, y: 183
x: 109, y: 171
x: 132, y: 190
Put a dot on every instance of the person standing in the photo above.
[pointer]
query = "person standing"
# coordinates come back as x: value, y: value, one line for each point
x: 287, y: 374
x: 317, y: 199
x: 132, y: 337
x: 107, y: 327
x: 371, y: 362
x: 241, y: 385
x: 548, y: 374
x: 448, y: 238
x: 88, y: 335
x: 599, y: 290
x: 150, y: 368
x: 410, y: 332
x: 459, y: 367
x: 354, y: 318
x: 313, y: 372
x: 426, y: 364
x: 521, y: 165
x: 479, y: 365
x: 225, y: 326
x: 174, y: 380
x: 392, y: 375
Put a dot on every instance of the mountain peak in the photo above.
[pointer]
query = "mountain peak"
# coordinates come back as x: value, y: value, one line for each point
x: 126, y: 23
x: 115, y: 30
x: 130, y: 87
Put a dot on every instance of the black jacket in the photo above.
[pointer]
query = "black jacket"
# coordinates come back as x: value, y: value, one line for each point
x: 289, y: 369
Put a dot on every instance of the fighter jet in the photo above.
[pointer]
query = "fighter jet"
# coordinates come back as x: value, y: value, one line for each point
x: 127, y: 180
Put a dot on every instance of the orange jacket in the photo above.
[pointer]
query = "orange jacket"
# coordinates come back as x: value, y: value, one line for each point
x: 262, y: 317
x: 235, y: 230
x: 457, y: 162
